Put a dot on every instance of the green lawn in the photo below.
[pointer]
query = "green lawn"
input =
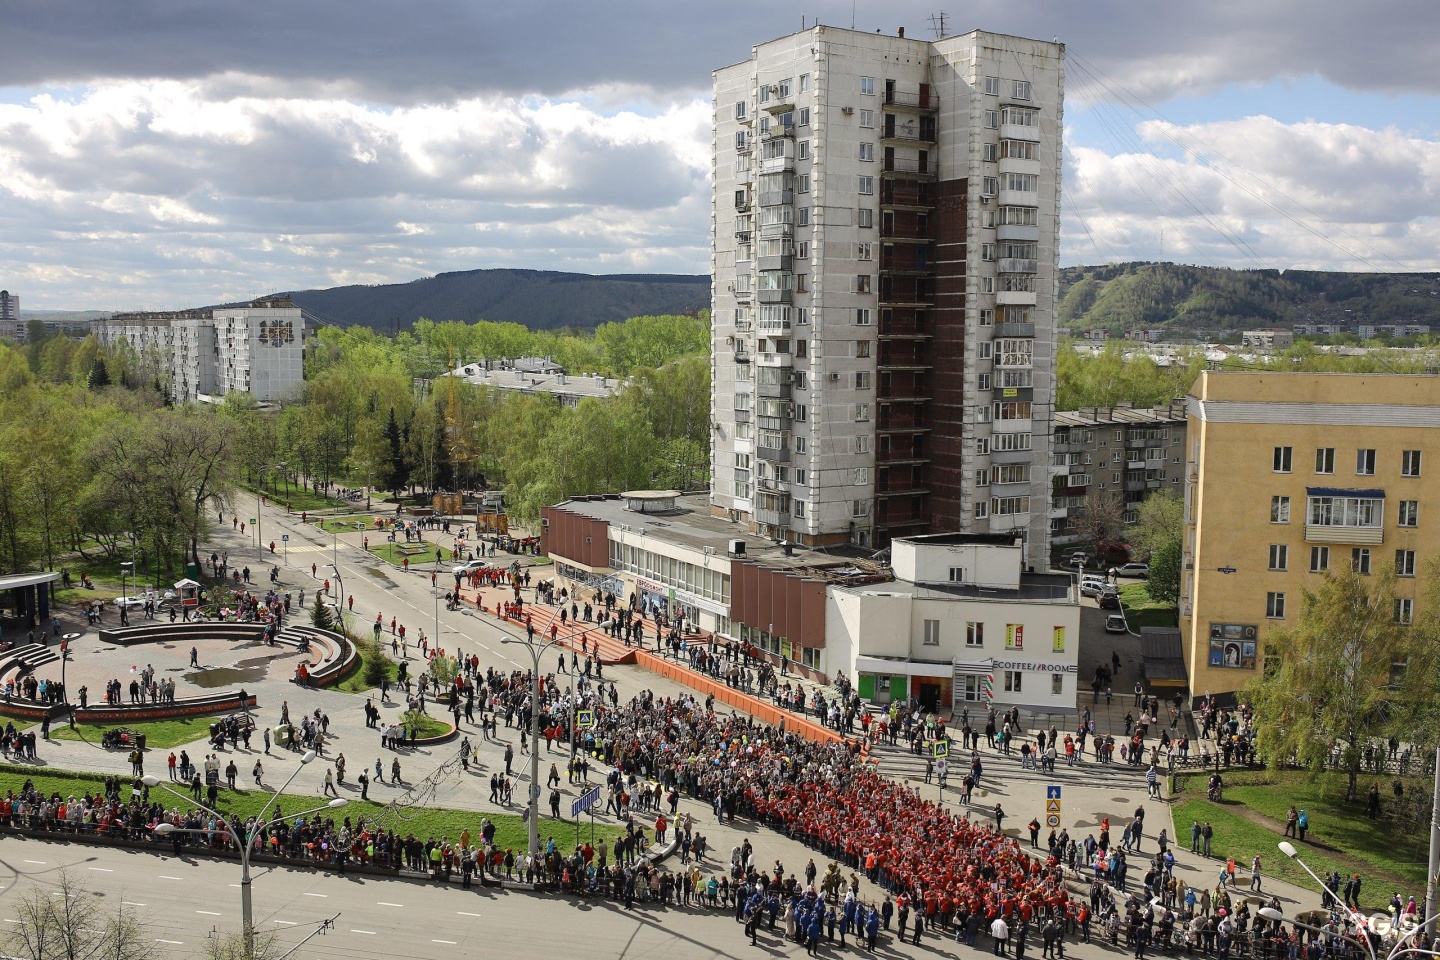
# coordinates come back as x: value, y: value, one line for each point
x: 299, y: 499
x: 431, y: 727
x: 159, y: 734
x: 1341, y: 837
x: 425, y: 822
x: 1141, y: 611
x: 348, y: 523
x: 422, y: 555
x: 355, y: 683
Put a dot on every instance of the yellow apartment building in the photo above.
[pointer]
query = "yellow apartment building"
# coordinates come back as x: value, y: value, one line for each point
x: 1290, y: 475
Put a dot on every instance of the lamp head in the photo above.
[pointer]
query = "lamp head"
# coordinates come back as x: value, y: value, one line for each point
x: 337, y: 803
x: 1270, y: 913
x: 1288, y: 848
x: 164, y: 829
x: 150, y: 781
x: 309, y: 756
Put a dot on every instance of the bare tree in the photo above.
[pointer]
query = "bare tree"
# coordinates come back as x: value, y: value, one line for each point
x: 65, y: 922
x: 1102, y: 520
x: 231, y: 946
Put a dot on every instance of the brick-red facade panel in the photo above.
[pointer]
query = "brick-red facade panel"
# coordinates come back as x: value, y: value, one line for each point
x: 947, y: 410
x: 569, y: 535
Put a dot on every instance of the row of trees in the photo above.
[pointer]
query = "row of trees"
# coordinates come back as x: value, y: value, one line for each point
x: 1119, y: 373
x: 612, y: 349
x: 110, y: 469
x: 370, y: 415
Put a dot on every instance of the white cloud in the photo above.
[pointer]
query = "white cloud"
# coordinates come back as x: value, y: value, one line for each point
x: 137, y: 179
x: 1255, y: 192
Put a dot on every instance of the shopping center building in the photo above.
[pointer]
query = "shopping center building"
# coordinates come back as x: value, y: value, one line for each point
x: 943, y: 619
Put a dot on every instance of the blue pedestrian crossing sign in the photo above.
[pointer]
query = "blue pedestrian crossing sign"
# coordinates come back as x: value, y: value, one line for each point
x: 940, y: 748
x: 1052, y: 793
x: 585, y: 802
x: 585, y: 719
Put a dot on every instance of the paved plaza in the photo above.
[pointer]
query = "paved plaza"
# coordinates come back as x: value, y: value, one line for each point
x: 434, y: 921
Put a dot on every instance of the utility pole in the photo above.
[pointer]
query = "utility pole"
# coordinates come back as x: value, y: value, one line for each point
x: 1434, y: 842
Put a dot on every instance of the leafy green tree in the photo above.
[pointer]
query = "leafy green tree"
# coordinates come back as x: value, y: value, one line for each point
x: 1163, y: 584
x: 1159, y: 531
x: 1337, y: 681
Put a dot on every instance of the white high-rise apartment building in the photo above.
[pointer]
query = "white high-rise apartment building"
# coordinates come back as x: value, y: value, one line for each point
x: 884, y: 254
x: 258, y: 349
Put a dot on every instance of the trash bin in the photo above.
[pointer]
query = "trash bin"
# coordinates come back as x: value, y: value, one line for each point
x: 140, y: 742
x: 214, y: 730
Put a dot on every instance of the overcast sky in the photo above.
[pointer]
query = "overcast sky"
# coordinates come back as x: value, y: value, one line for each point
x: 165, y: 153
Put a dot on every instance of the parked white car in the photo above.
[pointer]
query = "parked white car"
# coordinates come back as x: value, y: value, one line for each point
x: 1139, y: 570
x: 1115, y: 623
x: 470, y: 566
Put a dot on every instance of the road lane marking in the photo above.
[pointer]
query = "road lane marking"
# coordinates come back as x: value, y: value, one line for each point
x: 41, y: 862
x: 177, y: 943
x: 209, y: 913
x: 101, y: 869
x: 368, y: 933
x: 314, y: 894
x: 451, y: 942
x: 288, y: 923
x: 382, y: 903
x: 464, y: 914
x: 165, y: 877
x: 127, y: 903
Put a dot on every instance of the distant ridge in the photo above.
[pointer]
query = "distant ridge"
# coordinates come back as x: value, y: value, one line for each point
x: 539, y: 299
x: 1183, y: 300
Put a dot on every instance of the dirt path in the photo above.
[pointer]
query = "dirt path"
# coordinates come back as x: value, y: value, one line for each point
x: 1368, y: 871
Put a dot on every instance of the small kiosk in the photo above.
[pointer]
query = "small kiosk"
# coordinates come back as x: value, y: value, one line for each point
x: 189, y: 593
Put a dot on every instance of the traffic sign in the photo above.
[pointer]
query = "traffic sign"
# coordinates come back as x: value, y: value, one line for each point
x: 1052, y: 821
x: 940, y: 748
x: 584, y: 802
x: 1052, y: 793
x: 585, y: 719
x: 1052, y: 806
x: 284, y: 538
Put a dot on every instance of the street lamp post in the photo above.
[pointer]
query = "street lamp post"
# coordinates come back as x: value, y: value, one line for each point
x: 537, y: 650
x: 259, y: 537
x: 247, y: 843
x: 124, y: 597
x: 1380, y: 924
x: 340, y: 604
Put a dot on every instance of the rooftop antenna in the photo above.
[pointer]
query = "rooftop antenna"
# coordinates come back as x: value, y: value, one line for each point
x: 852, y: 14
x: 937, y: 24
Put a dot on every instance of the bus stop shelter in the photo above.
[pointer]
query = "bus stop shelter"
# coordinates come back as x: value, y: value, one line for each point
x: 25, y: 598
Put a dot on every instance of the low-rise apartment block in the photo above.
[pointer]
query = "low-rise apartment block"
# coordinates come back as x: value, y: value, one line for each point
x: 1289, y: 476
x: 1131, y: 452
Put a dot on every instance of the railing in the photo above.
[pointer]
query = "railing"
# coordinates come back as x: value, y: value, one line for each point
x: 1018, y: 265
x: 906, y: 165
x: 909, y: 134
x: 925, y: 101
x: 912, y: 198
x: 906, y: 232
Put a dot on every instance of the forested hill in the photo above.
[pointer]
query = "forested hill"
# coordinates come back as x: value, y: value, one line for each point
x: 1184, y: 299
x: 539, y: 299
